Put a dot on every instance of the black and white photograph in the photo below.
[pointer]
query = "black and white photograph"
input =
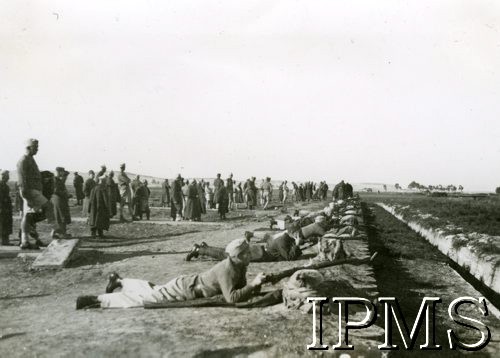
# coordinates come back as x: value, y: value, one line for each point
x: 261, y: 178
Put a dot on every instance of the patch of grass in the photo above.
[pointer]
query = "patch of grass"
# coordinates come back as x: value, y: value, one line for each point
x: 482, y: 215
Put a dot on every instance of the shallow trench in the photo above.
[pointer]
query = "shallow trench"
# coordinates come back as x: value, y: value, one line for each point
x: 481, y: 272
x: 409, y: 268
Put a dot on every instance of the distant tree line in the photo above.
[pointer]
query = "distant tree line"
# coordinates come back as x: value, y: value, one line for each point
x: 418, y: 186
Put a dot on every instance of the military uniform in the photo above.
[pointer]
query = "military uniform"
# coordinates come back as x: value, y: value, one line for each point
x: 5, y: 213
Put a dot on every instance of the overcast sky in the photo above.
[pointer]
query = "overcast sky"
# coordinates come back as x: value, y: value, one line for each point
x: 367, y: 91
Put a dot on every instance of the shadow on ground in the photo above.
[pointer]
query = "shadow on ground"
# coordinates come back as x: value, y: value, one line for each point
x: 93, y: 257
x: 232, y: 352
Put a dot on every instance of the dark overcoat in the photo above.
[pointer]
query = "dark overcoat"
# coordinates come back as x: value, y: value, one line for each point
x: 5, y: 210
x: 99, y: 208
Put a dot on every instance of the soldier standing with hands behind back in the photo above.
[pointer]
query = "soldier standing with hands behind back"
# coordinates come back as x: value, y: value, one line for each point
x: 36, y: 206
x: 125, y: 194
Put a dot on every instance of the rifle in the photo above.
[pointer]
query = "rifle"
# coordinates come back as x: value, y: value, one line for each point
x: 216, y: 301
x: 273, y: 278
x: 262, y: 300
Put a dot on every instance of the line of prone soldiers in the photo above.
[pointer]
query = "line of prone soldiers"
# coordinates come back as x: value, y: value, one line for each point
x: 326, y: 229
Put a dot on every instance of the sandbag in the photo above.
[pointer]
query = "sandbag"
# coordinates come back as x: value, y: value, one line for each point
x: 331, y: 249
x: 302, y: 284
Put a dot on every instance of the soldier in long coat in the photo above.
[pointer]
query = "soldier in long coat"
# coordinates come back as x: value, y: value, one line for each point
x: 99, y: 208
x: 223, y: 201
x: 217, y: 183
x: 176, y: 203
x: 339, y: 191
x: 5, y: 209
x: 238, y: 194
x: 87, y: 189
x: 134, y: 185
x: 142, y: 194
x: 113, y: 194
x: 249, y: 195
x: 201, y: 196
x: 193, y: 207
x: 254, y: 189
x: 78, y: 184
x: 165, y: 193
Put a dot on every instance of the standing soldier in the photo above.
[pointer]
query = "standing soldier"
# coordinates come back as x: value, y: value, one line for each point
x: 5, y: 209
x: 142, y: 194
x: 98, y: 208
x: 165, y: 194
x: 113, y: 194
x: 134, y: 185
x: 78, y: 184
x: 201, y: 196
x: 348, y: 191
x: 177, y: 199
x: 125, y: 195
x: 217, y: 183
x: 193, y: 204
x: 338, y: 192
x: 267, y: 189
x: 249, y: 195
x: 295, y: 192
x: 254, y: 189
x: 280, y: 192
x: 87, y: 189
x: 18, y: 203
x: 223, y: 201
x: 261, y: 196
x: 238, y: 194
x: 34, y: 203
x: 230, y: 190
x: 59, y: 200
x: 209, y: 196
x: 325, y: 190
x: 285, y: 192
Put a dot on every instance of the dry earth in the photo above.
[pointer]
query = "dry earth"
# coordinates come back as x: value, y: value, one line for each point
x: 38, y: 316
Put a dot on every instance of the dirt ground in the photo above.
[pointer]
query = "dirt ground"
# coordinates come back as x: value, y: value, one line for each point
x: 38, y: 316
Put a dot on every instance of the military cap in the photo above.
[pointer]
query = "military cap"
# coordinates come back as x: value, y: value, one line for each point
x: 235, y: 247
x: 31, y: 142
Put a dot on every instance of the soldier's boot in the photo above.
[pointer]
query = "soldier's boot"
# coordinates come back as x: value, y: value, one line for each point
x: 193, y: 253
x: 114, y: 282
x: 87, y: 302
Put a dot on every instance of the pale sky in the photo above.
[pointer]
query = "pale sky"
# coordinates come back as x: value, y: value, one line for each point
x: 366, y: 91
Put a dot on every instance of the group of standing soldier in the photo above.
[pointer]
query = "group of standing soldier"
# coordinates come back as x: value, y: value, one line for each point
x: 44, y: 195
x: 101, y: 195
x: 188, y: 200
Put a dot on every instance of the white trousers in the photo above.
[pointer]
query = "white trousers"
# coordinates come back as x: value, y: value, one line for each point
x: 134, y: 293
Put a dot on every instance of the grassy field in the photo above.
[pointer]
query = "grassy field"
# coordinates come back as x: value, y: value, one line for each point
x: 481, y: 215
